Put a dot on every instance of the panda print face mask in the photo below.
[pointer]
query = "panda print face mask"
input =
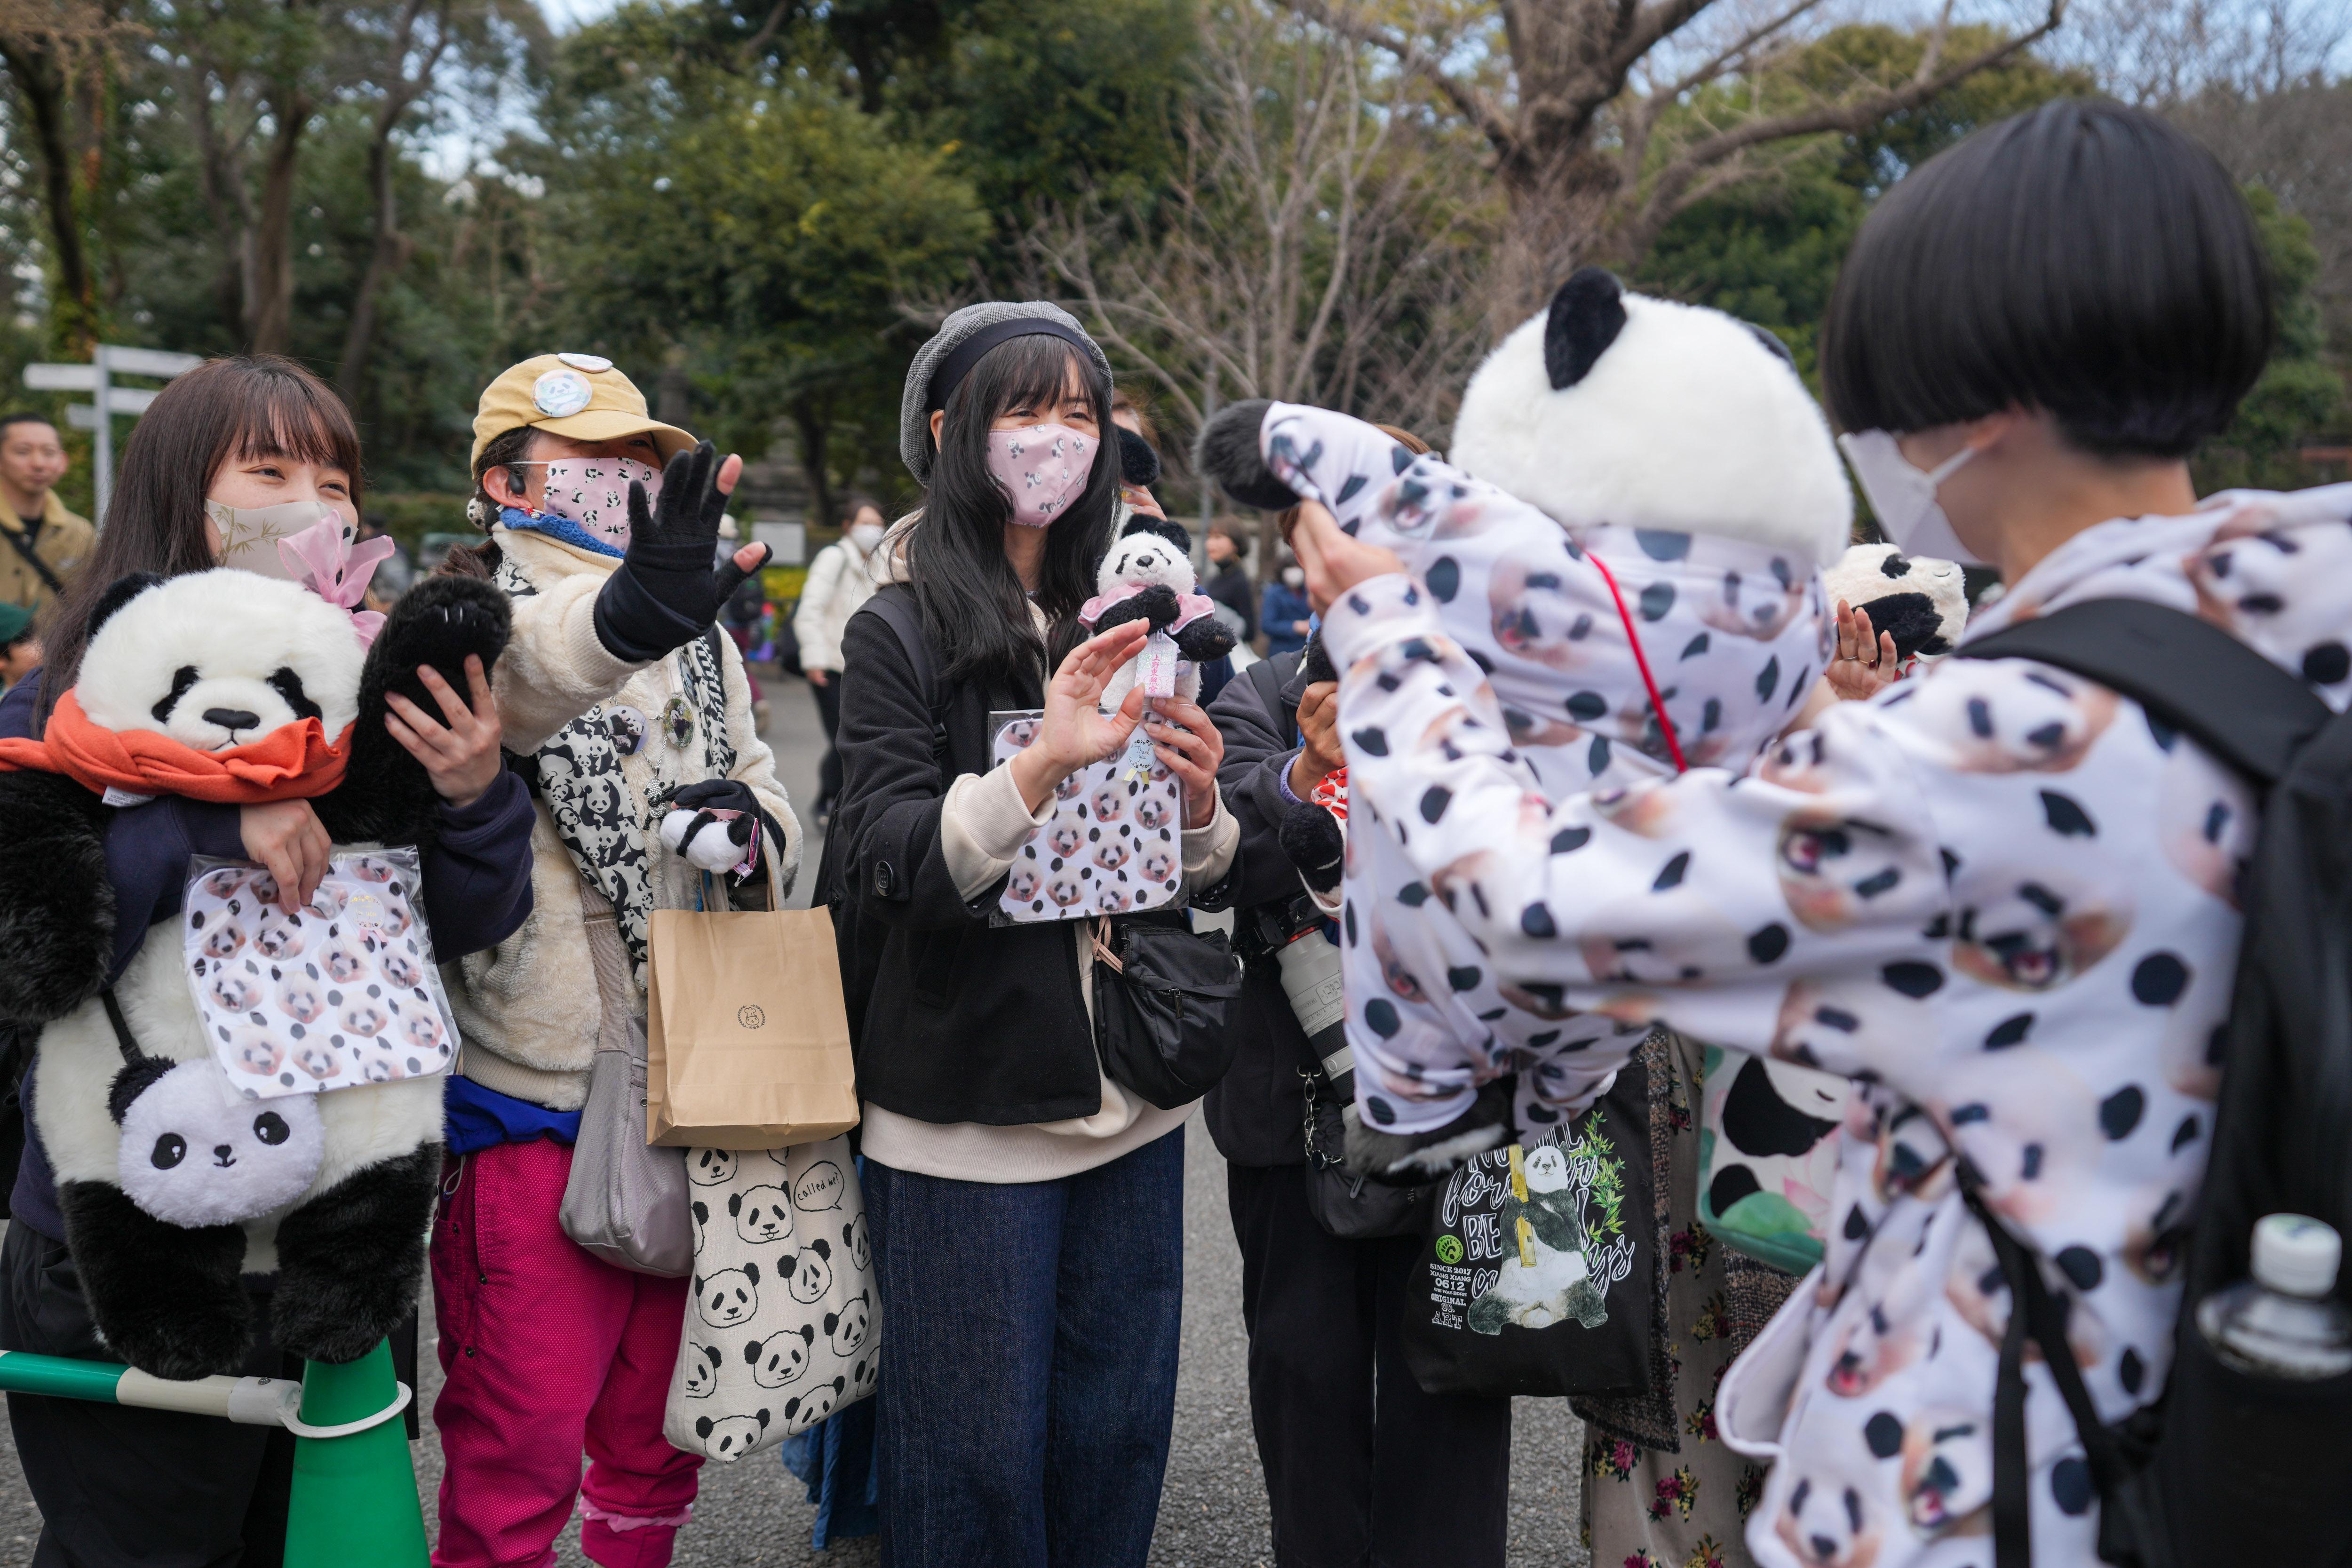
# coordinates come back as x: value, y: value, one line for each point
x: 1043, y: 468
x: 593, y: 492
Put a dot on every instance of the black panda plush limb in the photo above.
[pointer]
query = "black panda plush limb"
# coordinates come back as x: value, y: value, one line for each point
x: 186, y: 657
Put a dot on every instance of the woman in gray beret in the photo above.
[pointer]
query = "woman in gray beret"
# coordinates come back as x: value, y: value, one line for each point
x: 1028, y: 1210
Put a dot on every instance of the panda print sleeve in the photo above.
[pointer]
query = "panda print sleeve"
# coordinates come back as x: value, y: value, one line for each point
x: 1753, y: 911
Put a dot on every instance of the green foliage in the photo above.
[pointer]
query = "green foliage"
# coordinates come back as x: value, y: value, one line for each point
x: 762, y: 222
x: 1768, y: 249
x: 2301, y: 397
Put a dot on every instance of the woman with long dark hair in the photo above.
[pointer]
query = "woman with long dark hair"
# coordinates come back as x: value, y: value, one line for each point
x: 116, y: 1485
x: 1027, y: 1210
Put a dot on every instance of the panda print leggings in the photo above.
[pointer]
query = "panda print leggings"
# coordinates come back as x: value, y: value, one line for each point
x: 548, y: 1351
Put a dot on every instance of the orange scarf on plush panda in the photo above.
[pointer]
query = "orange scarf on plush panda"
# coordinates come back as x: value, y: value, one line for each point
x: 293, y: 762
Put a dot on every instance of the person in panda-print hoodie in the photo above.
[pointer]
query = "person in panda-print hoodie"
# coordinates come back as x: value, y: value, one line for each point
x: 1999, y: 896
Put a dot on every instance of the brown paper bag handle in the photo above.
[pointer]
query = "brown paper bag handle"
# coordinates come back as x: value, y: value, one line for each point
x: 1102, y: 945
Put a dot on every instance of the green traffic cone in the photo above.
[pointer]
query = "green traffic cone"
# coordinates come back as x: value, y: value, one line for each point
x: 355, y: 1496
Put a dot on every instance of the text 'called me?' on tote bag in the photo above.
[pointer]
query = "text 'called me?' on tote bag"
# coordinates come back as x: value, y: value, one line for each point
x: 748, y: 1042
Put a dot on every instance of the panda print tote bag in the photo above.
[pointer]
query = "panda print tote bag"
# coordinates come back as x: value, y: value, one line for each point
x: 781, y: 1329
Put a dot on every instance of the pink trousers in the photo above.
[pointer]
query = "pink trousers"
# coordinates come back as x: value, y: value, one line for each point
x: 548, y: 1351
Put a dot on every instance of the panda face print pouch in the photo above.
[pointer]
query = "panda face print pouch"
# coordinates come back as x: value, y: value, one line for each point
x: 1114, y: 844
x: 340, y: 992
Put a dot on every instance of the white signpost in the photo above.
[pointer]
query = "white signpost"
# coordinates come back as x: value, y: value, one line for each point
x: 97, y: 379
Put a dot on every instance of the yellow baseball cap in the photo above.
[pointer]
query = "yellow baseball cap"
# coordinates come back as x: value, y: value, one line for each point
x: 578, y: 395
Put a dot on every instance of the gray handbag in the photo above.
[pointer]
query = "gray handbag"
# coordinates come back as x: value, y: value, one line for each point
x: 625, y: 1201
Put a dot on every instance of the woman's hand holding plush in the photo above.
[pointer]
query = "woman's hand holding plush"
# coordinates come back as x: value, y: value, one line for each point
x: 1187, y: 742
x: 1073, y: 731
x: 461, y: 757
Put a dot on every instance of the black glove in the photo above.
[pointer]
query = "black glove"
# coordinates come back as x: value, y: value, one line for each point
x: 665, y: 593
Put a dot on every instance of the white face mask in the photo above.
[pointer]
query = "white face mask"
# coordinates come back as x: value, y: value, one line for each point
x: 865, y: 536
x: 1904, y: 496
x: 1294, y: 577
x: 594, y: 493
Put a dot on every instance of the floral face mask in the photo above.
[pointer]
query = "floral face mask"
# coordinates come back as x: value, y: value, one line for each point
x: 1044, y: 467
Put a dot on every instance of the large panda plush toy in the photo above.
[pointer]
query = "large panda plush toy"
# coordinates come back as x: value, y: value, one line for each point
x: 172, y: 1184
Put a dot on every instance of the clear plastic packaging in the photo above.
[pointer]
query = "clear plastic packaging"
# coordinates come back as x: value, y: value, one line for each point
x: 2285, y: 1322
x: 1113, y: 844
x: 340, y: 992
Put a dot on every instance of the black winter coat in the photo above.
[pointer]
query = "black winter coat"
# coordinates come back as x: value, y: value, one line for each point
x: 962, y: 1021
x: 1257, y: 1116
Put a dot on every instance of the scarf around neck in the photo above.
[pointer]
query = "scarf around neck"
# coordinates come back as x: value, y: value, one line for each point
x: 561, y: 529
x: 293, y: 762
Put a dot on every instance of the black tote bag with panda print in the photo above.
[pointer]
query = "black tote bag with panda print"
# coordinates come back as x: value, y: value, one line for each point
x: 1537, y: 1275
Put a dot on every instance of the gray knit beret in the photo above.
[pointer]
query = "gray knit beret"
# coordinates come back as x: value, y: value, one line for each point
x: 915, y: 406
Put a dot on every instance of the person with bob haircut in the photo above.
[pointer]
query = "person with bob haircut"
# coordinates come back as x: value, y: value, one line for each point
x: 115, y: 1485
x: 1028, y: 1210
x: 1999, y: 896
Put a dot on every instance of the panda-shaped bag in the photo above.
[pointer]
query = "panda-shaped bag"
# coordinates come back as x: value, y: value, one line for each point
x: 229, y: 688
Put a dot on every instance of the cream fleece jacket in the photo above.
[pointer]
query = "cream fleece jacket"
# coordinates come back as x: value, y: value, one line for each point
x: 982, y: 824
x: 528, y: 1009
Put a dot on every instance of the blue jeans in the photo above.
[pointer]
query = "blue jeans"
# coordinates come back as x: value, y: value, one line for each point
x: 1028, y: 1361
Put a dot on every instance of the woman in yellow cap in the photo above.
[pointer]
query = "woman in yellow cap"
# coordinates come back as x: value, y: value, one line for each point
x: 634, y: 718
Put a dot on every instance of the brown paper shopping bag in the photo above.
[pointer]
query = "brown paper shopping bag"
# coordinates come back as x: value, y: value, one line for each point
x: 747, y: 1041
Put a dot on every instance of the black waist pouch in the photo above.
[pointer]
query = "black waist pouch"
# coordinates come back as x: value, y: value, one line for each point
x: 1163, y: 1000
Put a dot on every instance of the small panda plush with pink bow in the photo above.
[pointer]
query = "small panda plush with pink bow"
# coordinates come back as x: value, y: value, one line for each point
x: 1148, y: 576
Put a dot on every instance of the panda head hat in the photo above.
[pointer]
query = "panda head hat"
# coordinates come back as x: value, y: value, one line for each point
x: 1612, y: 407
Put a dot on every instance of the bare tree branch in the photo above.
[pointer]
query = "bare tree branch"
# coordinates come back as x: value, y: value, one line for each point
x: 1473, y: 105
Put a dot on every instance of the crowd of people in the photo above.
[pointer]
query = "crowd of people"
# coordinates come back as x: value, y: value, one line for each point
x: 1960, y: 895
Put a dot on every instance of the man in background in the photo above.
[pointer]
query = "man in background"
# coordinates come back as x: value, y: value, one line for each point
x: 1229, y: 582
x: 44, y: 543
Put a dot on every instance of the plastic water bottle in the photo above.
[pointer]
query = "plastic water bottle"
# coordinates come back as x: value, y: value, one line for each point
x: 2283, y: 1323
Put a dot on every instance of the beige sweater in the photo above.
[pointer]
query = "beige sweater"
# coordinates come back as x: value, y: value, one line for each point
x: 528, y: 1009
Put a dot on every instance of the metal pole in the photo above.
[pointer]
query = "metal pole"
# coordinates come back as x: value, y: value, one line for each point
x: 102, y: 461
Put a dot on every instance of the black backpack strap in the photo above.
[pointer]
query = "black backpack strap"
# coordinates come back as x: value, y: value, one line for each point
x: 30, y: 552
x: 894, y: 603
x: 2035, y: 1313
x: 2190, y: 675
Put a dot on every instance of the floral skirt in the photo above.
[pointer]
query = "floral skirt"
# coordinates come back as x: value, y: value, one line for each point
x: 1660, y: 1488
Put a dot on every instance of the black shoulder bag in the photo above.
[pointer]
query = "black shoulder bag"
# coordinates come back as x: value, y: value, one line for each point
x: 2229, y: 1468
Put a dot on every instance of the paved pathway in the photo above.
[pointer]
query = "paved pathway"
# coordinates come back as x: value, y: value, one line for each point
x: 1213, y: 1513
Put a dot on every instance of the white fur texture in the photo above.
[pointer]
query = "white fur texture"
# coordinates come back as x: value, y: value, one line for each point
x: 78, y: 1060
x: 235, y: 630
x: 195, y: 1152
x: 1668, y: 430
x: 1144, y: 560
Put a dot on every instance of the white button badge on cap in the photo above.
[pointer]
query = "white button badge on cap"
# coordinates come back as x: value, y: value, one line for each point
x: 560, y: 392
x: 594, y: 364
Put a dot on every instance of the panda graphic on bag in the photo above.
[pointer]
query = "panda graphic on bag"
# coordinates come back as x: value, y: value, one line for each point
x: 783, y: 1330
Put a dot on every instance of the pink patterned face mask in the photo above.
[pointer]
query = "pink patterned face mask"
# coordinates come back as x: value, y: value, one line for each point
x: 1044, y: 467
